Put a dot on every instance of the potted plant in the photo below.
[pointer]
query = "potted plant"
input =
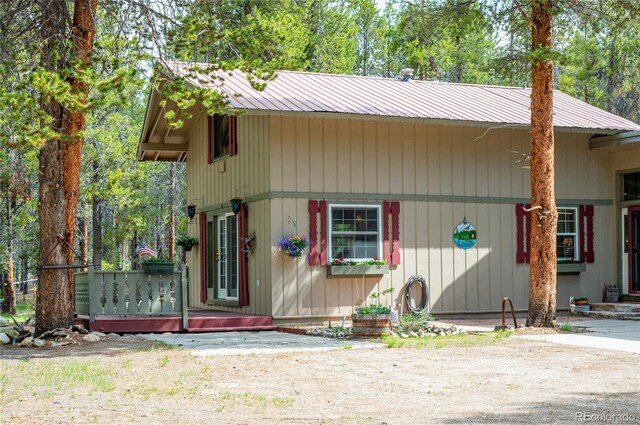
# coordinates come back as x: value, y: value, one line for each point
x: 293, y: 245
x: 157, y: 266
x: 373, y: 319
x: 186, y: 242
x: 582, y: 304
x: 342, y: 267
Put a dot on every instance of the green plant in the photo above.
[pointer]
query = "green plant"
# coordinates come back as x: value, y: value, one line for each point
x: 372, y: 262
x: 565, y: 327
x: 414, y: 321
x: 376, y: 308
x: 581, y: 299
x: 186, y: 241
x: 157, y: 260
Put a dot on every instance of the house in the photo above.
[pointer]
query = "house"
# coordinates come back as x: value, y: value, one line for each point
x: 372, y: 167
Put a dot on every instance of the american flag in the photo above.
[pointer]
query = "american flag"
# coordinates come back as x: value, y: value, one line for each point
x: 145, y: 250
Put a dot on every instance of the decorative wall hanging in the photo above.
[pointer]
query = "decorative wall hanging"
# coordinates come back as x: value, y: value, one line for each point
x: 465, y: 235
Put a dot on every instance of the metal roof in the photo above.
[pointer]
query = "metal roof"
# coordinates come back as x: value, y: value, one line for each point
x: 304, y: 92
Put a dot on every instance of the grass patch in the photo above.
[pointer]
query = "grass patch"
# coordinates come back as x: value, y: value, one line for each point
x: 49, y: 378
x: 461, y: 340
x: 164, y: 361
x: 24, y: 310
x: 157, y: 345
x: 256, y: 401
x: 347, y: 346
x: 565, y: 327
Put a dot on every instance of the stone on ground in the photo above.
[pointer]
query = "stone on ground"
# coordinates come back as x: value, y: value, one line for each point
x: 91, y: 338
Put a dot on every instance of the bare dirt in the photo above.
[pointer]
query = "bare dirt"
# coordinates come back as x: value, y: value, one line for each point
x: 131, y: 380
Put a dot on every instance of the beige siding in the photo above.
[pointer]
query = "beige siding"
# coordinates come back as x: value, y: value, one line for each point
x: 244, y: 175
x: 399, y: 159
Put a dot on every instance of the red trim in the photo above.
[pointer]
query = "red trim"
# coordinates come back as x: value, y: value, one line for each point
x: 314, y: 256
x: 233, y: 135
x: 203, y: 257
x: 243, y: 282
x: 323, y: 233
x: 590, y: 257
x: 582, y: 233
x: 210, y: 145
x: 386, y: 211
x: 395, y: 233
x: 520, y: 252
x: 523, y: 233
x: 528, y: 227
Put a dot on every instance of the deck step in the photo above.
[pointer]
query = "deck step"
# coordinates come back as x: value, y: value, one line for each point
x: 619, y: 315
x: 620, y: 307
x: 232, y: 329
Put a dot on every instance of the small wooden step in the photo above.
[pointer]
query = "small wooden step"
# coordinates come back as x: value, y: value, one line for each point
x: 616, y: 315
x: 619, y: 307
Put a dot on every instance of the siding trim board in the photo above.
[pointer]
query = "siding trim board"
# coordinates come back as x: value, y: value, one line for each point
x: 226, y: 206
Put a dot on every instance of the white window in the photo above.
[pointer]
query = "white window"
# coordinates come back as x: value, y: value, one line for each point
x: 567, y: 242
x: 355, y: 232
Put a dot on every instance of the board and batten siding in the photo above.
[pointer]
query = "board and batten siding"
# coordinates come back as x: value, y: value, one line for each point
x: 211, y: 185
x: 424, y: 166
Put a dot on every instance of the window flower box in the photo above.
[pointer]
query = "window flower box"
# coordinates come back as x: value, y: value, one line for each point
x: 571, y: 268
x: 158, y: 267
x: 357, y: 270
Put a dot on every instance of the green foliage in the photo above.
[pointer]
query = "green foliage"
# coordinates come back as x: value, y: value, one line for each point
x: 459, y: 340
x: 415, y: 321
x: 376, y: 308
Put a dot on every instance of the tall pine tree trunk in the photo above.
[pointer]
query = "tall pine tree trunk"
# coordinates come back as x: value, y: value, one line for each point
x: 544, y: 216
x: 8, y: 290
x: 60, y: 163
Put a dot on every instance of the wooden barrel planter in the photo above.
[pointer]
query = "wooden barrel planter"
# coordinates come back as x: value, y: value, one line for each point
x: 371, y: 324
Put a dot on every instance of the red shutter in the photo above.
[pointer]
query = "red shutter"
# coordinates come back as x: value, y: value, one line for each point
x: 233, y: 135
x: 586, y: 233
x: 314, y: 255
x: 318, y: 249
x: 243, y: 275
x: 210, y: 145
x: 582, y: 251
x: 523, y: 222
x: 391, y: 243
x: 203, y: 257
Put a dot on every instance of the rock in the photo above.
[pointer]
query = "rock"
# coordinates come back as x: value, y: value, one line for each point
x: 429, y: 335
x: 79, y: 328
x: 37, y: 342
x: 3, y: 321
x: 420, y: 333
x: 91, y: 338
x: 101, y: 335
x: 11, y: 333
x: 413, y: 334
x: 114, y: 335
x: 462, y: 332
x: 27, y: 342
x: 393, y: 334
x: 454, y: 328
x: 4, y: 338
x: 164, y: 333
x: 340, y: 334
x: 404, y: 335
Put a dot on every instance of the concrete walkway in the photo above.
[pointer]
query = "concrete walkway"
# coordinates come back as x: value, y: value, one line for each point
x: 619, y: 335
x: 235, y: 343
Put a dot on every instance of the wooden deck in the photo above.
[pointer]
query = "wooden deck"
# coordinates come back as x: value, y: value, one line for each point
x: 199, y: 321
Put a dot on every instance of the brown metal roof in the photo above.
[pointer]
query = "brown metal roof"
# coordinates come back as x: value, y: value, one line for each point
x: 304, y: 92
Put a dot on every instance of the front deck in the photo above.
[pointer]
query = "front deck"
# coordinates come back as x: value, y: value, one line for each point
x: 136, y: 302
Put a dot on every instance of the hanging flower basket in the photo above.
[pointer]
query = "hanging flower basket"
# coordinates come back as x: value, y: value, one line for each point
x: 294, y: 245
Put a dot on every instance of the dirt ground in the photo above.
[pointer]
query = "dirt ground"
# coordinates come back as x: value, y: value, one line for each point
x: 129, y: 380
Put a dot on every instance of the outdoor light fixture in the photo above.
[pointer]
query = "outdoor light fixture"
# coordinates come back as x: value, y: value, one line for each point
x: 236, y: 203
x: 191, y: 211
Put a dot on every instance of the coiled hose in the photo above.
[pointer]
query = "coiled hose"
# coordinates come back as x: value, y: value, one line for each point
x: 409, y: 297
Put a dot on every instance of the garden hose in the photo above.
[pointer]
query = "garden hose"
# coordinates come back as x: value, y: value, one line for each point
x: 409, y: 297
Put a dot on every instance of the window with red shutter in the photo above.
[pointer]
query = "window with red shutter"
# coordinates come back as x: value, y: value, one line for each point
x: 574, y: 237
x: 353, y: 232
x: 222, y: 137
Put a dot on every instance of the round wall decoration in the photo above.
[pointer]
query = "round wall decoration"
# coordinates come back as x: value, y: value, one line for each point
x: 465, y: 235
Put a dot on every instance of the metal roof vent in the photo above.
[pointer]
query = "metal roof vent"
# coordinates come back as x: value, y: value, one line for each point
x: 406, y: 74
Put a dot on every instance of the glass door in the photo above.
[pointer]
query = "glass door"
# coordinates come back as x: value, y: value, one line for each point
x: 633, y: 235
x: 226, y: 257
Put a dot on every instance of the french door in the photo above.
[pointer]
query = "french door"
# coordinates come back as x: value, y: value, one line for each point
x: 226, y: 257
x: 632, y: 239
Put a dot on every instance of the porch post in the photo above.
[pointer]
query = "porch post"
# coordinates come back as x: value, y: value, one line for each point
x: 184, y: 287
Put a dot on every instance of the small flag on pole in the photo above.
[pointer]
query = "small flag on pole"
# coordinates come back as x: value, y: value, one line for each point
x: 145, y: 250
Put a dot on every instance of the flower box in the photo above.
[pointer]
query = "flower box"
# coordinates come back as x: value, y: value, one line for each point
x: 357, y: 270
x: 571, y: 268
x: 158, y: 267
